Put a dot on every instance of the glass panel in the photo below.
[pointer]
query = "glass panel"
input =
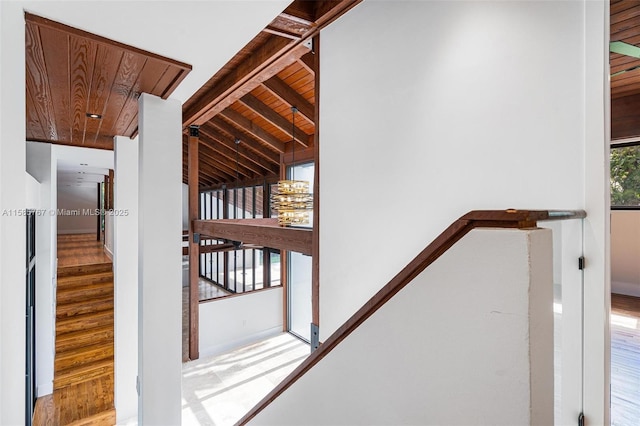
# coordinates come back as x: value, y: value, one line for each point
x: 259, y: 271
x: 299, y: 288
x: 259, y: 191
x: 274, y: 258
x: 567, y: 309
x: 304, y: 172
x: 625, y: 176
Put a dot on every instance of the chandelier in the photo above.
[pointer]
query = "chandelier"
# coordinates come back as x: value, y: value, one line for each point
x: 292, y: 199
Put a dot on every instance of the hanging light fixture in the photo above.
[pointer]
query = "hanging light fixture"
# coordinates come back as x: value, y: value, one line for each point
x: 292, y: 200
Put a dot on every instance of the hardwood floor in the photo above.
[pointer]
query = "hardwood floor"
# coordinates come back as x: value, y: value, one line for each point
x: 625, y: 360
x: 84, y: 367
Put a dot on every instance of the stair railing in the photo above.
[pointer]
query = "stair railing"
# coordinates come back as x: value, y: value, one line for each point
x: 510, y: 218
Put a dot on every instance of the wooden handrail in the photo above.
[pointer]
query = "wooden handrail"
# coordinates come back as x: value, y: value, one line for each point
x: 511, y: 218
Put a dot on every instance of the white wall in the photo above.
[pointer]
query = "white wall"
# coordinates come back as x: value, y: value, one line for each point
x: 231, y: 322
x: 454, y: 106
x: 403, y: 366
x: 32, y: 192
x: 125, y: 268
x: 77, y: 198
x: 12, y: 226
x: 41, y: 163
x: 625, y: 252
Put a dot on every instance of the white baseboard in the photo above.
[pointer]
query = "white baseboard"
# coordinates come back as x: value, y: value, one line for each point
x: 628, y: 289
x: 44, y: 389
x: 235, y: 344
x: 108, y: 252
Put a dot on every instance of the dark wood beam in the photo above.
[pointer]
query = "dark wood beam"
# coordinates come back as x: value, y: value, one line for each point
x: 211, y: 170
x: 268, y: 179
x: 268, y: 60
x: 194, y: 254
x: 245, y: 153
x: 240, y: 122
x: 315, y: 248
x: 216, y: 159
x: 263, y: 232
x: 274, y: 118
x: 216, y: 148
x: 286, y: 94
x: 308, y: 62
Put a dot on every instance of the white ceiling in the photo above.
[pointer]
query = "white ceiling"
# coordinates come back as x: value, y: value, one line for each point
x: 202, y: 33
x: 82, y: 167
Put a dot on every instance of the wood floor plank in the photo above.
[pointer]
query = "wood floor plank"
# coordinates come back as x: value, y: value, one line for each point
x: 84, y: 368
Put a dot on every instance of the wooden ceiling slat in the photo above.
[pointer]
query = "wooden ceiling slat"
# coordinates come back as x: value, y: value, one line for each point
x: 290, y: 96
x: 40, y: 117
x: 153, y: 80
x: 627, y: 13
x: 245, y: 153
x: 260, y: 122
x: 618, y: 7
x: 34, y: 122
x: 70, y: 72
x: 224, y: 165
x: 625, y: 25
x: 625, y: 78
x: 220, y: 96
x: 82, y: 59
x: 255, y: 149
x: 125, y: 97
x: 55, y: 46
x: 205, y: 168
x: 237, y: 120
x: 276, y: 119
x: 219, y: 151
x: 101, y: 83
x: 207, y: 142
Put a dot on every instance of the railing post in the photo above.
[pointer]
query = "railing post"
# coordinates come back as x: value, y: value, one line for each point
x: 194, y: 242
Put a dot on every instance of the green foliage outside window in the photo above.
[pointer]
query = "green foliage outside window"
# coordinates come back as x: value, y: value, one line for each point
x: 625, y: 176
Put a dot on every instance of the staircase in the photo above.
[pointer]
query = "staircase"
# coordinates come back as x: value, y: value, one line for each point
x: 84, y: 326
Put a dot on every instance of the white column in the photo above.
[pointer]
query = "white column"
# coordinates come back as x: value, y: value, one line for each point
x: 12, y: 226
x: 597, y: 252
x: 160, y: 261
x: 125, y: 269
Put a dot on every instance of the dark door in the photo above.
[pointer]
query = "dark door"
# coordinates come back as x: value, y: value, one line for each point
x: 30, y: 371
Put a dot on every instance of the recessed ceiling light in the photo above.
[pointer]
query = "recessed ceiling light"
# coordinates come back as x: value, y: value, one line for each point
x: 93, y: 115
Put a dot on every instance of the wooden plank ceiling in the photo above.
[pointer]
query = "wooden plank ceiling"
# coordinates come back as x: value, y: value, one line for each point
x: 625, y: 26
x: 625, y: 70
x: 251, y: 97
x: 71, y: 74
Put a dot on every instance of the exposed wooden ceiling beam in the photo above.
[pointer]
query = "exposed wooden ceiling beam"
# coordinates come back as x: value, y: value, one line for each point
x: 289, y: 26
x: 223, y: 164
x: 245, y: 153
x: 267, y: 60
x: 218, y: 149
x: 237, y: 122
x: 274, y: 118
x: 283, y: 91
x: 205, y: 169
x: 308, y: 62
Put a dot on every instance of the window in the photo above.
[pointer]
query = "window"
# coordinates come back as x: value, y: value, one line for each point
x: 625, y: 176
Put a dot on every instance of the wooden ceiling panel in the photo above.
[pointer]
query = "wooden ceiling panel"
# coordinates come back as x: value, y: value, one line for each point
x: 625, y: 27
x: 71, y: 73
x: 251, y: 97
